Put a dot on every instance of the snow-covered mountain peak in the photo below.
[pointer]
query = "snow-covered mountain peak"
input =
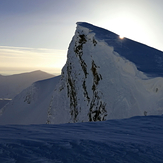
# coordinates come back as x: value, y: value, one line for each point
x: 100, y: 81
x: 104, y: 77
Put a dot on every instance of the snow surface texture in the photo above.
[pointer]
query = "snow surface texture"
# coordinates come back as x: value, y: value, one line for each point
x: 105, y: 77
x: 134, y: 140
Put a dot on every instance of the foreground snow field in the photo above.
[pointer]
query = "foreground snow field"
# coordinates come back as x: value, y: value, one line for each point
x: 134, y: 140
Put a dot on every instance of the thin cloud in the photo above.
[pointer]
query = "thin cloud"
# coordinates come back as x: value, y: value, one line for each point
x: 38, y: 58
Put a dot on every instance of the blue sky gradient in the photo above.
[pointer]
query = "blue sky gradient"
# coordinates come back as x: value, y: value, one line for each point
x: 50, y: 24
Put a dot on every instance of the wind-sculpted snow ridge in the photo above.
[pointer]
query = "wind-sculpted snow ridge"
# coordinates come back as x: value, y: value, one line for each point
x: 106, y: 77
x: 146, y: 59
x: 134, y: 140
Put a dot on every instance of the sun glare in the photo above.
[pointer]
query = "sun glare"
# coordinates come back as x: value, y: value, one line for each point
x: 121, y: 37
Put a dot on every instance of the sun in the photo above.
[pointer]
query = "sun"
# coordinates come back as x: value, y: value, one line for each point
x: 121, y: 37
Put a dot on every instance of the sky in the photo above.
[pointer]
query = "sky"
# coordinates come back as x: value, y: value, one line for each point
x: 35, y: 34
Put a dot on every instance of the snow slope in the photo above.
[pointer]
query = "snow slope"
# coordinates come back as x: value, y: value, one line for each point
x: 11, y: 85
x: 134, y: 140
x: 31, y: 105
x: 105, y: 77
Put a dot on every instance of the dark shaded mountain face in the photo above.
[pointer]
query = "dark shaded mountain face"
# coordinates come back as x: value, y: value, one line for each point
x: 105, y: 77
x: 3, y: 102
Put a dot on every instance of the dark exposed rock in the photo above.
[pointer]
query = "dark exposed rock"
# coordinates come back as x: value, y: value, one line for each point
x: 97, y: 111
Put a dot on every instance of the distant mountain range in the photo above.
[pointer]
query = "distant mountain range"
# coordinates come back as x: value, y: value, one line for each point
x: 105, y: 77
x: 11, y: 85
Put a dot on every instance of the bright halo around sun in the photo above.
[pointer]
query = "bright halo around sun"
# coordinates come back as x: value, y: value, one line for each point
x: 121, y: 37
